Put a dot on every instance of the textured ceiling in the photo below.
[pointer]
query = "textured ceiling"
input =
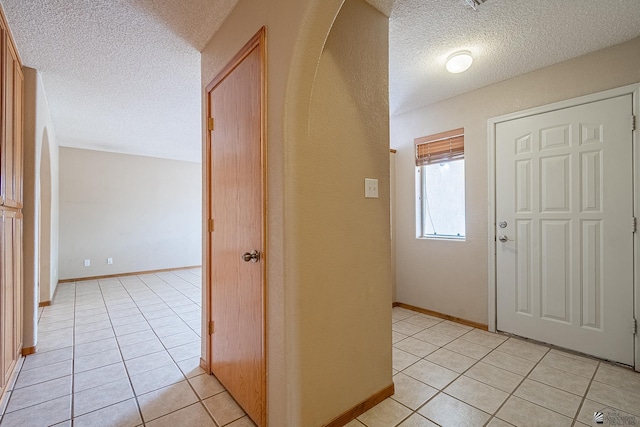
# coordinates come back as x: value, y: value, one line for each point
x: 124, y: 75
x: 506, y: 37
x: 120, y: 75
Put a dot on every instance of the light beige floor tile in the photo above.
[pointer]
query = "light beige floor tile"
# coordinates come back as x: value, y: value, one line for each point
x: 100, y: 397
x: 477, y: 394
x: 468, y: 348
x: 450, y: 328
x: 122, y: 321
x: 612, y: 416
x: 84, y: 327
x: 185, y: 351
x: 619, y: 377
x: 560, y: 379
x: 94, y: 336
x: 497, y: 422
x: 98, y: 360
x: 397, y: 337
x: 402, y: 359
x: 95, y: 347
x: 434, y: 337
x: 549, y: 397
x: 243, y: 422
x: 411, y: 392
x: 520, y: 412
x: 54, y: 326
x: 45, y: 414
x: 179, y: 339
x: 417, y: 420
x: 206, y: 385
x: 191, y: 367
x: 387, y: 413
x: 136, y: 338
x: 422, y: 321
x: 524, y: 349
x: 584, y: 368
x: 42, y: 359
x: 39, y: 393
x: 43, y: 373
x: 123, y: 414
x: 431, y: 374
x: 155, y: 379
x: 494, y: 376
x: 130, y: 328
x: 177, y: 328
x: 141, y: 349
x: 97, y: 377
x: 615, y: 397
x: 400, y: 313
x: 511, y: 363
x: 406, y: 328
x: 416, y: 347
x: 193, y: 416
x: 54, y: 343
x: 223, y: 408
x: 148, y: 362
x: 451, y: 360
x: 484, y: 338
x: 447, y: 411
x: 165, y: 400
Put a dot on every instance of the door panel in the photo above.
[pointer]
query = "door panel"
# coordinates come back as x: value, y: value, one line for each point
x: 565, y: 260
x: 236, y: 206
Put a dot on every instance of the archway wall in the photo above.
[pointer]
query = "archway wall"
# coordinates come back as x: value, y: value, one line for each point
x: 38, y: 130
x: 328, y: 272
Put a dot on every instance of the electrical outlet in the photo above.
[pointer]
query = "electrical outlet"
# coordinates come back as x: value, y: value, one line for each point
x: 87, y: 262
x: 109, y: 260
x: 370, y: 188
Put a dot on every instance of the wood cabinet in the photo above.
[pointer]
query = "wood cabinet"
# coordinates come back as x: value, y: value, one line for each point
x: 11, y: 295
x: 11, y: 179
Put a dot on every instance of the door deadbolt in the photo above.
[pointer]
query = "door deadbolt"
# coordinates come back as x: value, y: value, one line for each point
x: 502, y: 224
x: 253, y: 256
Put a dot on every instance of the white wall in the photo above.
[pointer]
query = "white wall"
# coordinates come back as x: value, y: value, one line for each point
x: 449, y: 276
x: 143, y: 212
x: 40, y: 148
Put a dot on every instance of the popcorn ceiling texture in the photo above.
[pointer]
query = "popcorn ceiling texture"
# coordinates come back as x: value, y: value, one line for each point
x: 121, y: 76
x: 506, y: 37
x: 124, y: 76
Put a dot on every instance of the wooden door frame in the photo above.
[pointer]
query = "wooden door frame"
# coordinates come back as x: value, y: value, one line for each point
x: 258, y: 41
x: 634, y: 90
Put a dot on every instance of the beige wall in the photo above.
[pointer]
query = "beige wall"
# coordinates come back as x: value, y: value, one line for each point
x: 448, y: 276
x: 143, y: 212
x: 328, y: 249
x: 40, y: 220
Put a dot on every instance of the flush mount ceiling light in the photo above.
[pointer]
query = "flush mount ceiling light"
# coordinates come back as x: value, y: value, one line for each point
x: 459, y: 62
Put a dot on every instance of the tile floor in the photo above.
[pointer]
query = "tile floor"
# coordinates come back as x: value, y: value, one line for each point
x: 453, y: 375
x: 121, y: 352
x: 125, y: 352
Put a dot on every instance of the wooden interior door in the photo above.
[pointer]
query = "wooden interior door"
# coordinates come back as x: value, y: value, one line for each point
x: 236, y: 207
x: 564, y: 206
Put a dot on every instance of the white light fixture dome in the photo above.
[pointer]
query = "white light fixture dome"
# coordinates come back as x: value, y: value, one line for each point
x: 459, y: 62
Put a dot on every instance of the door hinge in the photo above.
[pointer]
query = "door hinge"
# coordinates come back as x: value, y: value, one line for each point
x: 210, y: 226
x: 634, y: 224
x: 210, y: 123
x: 633, y: 123
x: 211, y: 327
x: 634, y: 326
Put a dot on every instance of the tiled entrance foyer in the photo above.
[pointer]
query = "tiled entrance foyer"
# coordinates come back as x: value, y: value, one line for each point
x: 123, y: 351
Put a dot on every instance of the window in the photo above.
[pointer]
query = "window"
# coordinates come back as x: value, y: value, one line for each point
x: 440, y: 201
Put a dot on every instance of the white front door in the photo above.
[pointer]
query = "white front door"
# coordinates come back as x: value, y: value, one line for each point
x: 564, y: 228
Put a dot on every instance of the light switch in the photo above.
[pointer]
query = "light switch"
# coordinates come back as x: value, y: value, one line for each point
x: 370, y: 188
